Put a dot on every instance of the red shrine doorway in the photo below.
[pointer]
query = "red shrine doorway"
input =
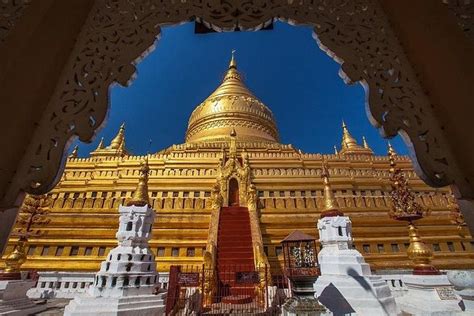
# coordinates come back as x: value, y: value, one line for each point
x: 233, y: 192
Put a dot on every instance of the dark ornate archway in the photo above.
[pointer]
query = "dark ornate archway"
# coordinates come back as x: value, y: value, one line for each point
x: 234, y: 192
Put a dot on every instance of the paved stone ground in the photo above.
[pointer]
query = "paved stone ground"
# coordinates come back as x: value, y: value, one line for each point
x: 55, y: 307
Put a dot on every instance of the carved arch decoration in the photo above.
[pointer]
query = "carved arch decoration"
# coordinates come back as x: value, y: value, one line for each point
x: 463, y: 11
x: 118, y: 33
x: 10, y: 12
x: 234, y: 168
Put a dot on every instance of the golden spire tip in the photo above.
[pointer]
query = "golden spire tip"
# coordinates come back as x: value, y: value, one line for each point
x: 331, y: 208
x: 233, y: 63
x: 140, y: 196
x: 391, y: 150
x: 364, y: 142
x: 74, y: 152
x: 119, y: 139
x: 101, y: 144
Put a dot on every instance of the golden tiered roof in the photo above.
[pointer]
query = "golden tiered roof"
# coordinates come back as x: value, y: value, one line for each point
x: 350, y: 146
x: 232, y: 106
x: 115, y: 149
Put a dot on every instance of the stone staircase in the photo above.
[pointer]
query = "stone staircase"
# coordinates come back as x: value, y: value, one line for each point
x: 235, y: 259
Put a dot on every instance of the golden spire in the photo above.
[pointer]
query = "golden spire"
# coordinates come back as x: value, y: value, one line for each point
x: 232, y: 72
x: 348, y: 142
x: 101, y: 144
x: 331, y: 207
x: 419, y: 253
x: 350, y: 146
x: 404, y: 207
x: 391, y: 157
x: 233, y: 63
x: 74, y: 152
x: 335, y: 150
x: 231, y: 104
x: 391, y: 150
x: 15, y: 260
x: 118, y: 141
x: 364, y: 143
x: 140, y: 196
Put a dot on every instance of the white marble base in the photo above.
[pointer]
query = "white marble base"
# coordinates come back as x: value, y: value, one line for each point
x: 463, y: 282
x: 142, y: 305
x: 429, y: 295
x: 65, y: 284
x: 61, y: 284
x: 355, y: 295
x: 13, y: 299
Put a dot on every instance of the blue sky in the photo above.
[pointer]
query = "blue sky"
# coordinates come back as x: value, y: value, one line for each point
x: 283, y: 67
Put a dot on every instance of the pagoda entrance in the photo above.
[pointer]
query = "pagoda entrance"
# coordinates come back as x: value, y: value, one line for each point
x: 234, y: 192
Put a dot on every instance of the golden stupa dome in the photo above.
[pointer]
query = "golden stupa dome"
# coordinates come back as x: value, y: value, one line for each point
x: 232, y: 107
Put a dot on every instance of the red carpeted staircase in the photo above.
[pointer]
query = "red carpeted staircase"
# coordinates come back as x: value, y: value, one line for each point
x: 234, y: 255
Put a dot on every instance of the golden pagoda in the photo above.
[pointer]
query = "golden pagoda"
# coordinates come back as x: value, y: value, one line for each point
x: 232, y: 158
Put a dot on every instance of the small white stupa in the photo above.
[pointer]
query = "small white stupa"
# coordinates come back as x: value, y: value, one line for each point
x: 127, y: 278
x: 346, y: 285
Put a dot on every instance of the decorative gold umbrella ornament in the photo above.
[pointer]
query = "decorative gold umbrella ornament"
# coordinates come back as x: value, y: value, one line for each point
x: 405, y: 208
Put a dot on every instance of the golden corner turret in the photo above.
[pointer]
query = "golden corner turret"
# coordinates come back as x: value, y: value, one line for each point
x: 140, y: 196
x: 350, y: 146
x: 115, y: 149
x: 232, y: 106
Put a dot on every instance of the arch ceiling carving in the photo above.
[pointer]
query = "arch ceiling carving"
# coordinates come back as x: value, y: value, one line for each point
x: 118, y: 33
x: 10, y: 12
x: 463, y: 11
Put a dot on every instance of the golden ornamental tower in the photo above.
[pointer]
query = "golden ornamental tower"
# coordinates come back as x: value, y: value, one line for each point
x: 115, y: 149
x: 350, y: 146
x: 141, y: 197
x: 331, y: 208
x: 232, y: 107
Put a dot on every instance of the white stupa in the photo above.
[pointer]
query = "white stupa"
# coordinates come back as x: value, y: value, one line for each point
x: 346, y: 285
x: 127, y: 278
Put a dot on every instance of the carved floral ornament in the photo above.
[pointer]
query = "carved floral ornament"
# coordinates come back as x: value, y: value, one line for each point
x: 118, y: 33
